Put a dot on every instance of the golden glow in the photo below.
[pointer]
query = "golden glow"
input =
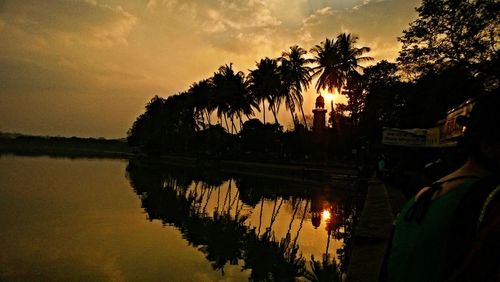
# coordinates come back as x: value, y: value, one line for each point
x: 334, y: 97
x: 326, y: 215
x: 124, y: 52
x: 327, y: 95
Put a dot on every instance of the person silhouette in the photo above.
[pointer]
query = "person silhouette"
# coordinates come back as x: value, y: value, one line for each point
x: 449, y: 231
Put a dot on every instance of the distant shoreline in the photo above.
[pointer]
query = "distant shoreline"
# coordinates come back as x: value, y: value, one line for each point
x: 75, y: 147
x: 71, y: 147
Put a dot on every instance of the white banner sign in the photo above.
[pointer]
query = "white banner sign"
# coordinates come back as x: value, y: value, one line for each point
x: 404, y: 137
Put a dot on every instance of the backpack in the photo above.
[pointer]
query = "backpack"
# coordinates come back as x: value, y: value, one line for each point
x: 475, y: 207
x: 468, y: 222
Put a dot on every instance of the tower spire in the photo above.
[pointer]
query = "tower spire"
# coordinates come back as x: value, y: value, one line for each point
x: 319, y: 114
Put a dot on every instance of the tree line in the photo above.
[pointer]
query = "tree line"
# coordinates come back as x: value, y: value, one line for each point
x: 276, y: 82
x: 449, y: 54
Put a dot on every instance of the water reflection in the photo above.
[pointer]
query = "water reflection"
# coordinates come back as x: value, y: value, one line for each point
x: 273, y: 229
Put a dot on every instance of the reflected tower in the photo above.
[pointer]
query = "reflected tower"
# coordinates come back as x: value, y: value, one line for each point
x: 319, y: 112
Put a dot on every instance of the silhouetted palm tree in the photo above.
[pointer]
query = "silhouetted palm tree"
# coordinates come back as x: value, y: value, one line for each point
x: 240, y: 100
x: 327, y: 68
x: 202, y: 94
x: 220, y: 98
x: 350, y: 56
x: 229, y: 88
x: 336, y: 61
x: 296, y: 76
x: 249, y: 103
x: 286, y: 90
x: 265, y: 85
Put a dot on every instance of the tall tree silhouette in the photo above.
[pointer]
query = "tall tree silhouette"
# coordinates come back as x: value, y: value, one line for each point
x: 384, y: 99
x: 327, y: 68
x: 166, y: 125
x: 350, y: 55
x: 336, y: 61
x: 355, y: 91
x: 230, y: 89
x: 147, y: 123
x: 240, y: 100
x: 265, y: 85
x: 202, y: 93
x: 296, y: 76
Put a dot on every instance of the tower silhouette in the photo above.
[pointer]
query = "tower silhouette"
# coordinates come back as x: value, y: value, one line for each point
x: 319, y: 122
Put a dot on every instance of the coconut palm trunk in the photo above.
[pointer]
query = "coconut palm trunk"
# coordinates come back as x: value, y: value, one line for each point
x: 273, y: 110
x: 233, y: 126
x: 241, y: 121
x: 264, y: 111
x: 303, y: 117
x: 218, y: 200
x: 292, y: 111
x: 228, y: 192
x: 260, y: 215
x: 208, y: 118
x: 295, y: 209
x: 227, y: 124
x: 327, y: 244
x: 209, y: 194
x: 274, y: 215
x: 301, y: 223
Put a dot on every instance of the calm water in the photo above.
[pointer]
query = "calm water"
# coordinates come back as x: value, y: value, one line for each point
x: 109, y: 220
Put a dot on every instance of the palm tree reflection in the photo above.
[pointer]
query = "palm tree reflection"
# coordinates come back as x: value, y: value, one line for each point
x: 181, y: 198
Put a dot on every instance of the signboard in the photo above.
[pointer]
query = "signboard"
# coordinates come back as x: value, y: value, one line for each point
x: 404, y: 137
x: 433, y: 137
x: 444, y: 135
x: 417, y: 137
x: 450, y: 131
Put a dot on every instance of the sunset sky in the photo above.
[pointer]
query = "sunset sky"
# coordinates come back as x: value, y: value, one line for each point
x: 87, y: 68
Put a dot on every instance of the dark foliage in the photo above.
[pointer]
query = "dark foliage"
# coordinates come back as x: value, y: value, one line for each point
x: 450, y: 33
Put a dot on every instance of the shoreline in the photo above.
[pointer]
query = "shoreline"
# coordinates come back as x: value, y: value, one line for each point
x: 116, y: 149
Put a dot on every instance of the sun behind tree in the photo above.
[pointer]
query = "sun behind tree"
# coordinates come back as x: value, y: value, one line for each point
x: 337, y: 61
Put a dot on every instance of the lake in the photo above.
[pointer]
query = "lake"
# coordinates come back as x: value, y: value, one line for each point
x: 134, y: 220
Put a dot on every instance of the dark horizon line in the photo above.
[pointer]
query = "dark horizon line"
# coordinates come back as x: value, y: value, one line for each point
x: 4, y: 134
